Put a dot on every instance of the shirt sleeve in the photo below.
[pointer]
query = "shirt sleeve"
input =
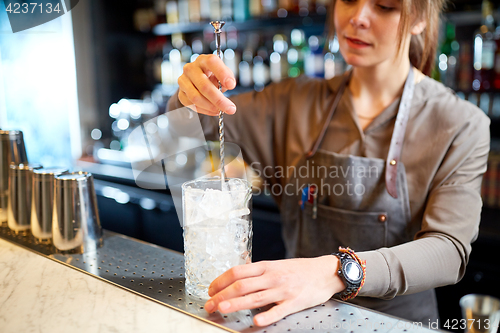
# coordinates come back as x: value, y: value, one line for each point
x: 439, y: 253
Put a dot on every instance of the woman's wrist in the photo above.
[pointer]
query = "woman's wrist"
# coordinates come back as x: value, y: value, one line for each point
x: 331, y: 266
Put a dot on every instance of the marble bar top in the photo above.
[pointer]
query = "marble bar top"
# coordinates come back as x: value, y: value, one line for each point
x: 38, y: 294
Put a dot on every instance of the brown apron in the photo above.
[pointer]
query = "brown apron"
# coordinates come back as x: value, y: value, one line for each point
x: 359, y: 202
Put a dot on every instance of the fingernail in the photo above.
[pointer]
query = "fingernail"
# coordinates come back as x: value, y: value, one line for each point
x: 209, y: 306
x: 230, y: 83
x: 224, y: 305
x: 210, y: 291
x: 259, y: 320
x: 231, y: 109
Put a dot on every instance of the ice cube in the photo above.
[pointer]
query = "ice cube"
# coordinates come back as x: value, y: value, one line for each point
x: 236, y: 184
x: 239, y: 212
x: 215, y: 203
x: 240, y: 193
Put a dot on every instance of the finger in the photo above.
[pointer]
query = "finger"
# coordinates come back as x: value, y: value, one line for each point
x: 215, y: 65
x: 274, y: 314
x: 236, y: 273
x: 187, y: 103
x: 207, y: 89
x: 250, y: 286
x: 214, y: 80
x: 251, y: 301
x: 194, y: 96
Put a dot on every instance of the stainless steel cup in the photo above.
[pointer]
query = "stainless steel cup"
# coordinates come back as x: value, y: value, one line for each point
x: 19, y: 198
x: 481, y: 313
x: 12, y: 150
x: 42, y: 203
x: 76, y: 227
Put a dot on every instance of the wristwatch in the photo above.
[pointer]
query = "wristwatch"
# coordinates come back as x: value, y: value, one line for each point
x: 351, y: 273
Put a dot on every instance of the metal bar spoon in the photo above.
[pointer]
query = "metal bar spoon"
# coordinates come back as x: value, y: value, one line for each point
x: 217, y: 27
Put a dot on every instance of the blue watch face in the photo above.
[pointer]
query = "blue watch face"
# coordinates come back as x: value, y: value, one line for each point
x: 352, y: 271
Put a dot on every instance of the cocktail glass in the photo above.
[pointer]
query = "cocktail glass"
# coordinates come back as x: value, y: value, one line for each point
x: 217, y: 227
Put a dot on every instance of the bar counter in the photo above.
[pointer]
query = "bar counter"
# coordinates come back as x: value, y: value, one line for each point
x: 40, y: 295
x: 133, y: 286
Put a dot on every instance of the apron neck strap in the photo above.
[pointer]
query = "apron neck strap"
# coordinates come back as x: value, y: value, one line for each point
x: 398, y: 136
x: 396, y: 146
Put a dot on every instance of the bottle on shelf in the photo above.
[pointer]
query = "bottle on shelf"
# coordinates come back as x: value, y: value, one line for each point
x: 269, y: 7
x: 245, y: 69
x: 255, y: 8
x: 232, y: 55
x: 226, y: 11
x: 183, y: 11
x: 285, y: 7
x: 295, y: 54
x: 194, y: 10
x: 241, y: 11
x: 484, y: 50
x: 314, y: 60
x: 205, y: 10
x: 215, y: 10
x: 334, y: 62
x: 278, y: 61
x: 448, y: 57
x: 496, y: 79
x: 465, y: 68
x: 172, y: 11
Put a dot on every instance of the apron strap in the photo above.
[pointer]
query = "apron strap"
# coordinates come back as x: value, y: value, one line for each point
x: 396, y: 146
x: 329, y: 116
x: 398, y: 135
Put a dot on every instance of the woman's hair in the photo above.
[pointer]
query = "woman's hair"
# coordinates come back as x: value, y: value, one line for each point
x: 423, y: 47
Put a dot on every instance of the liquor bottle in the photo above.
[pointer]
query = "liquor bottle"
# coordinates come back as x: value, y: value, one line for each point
x: 245, y: 69
x: 484, y: 50
x: 496, y: 81
x: 334, y: 62
x: 448, y: 57
x: 172, y: 11
x: 226, y: 10
x: 295, y: 54
x: 314, y: 60
x: 194, y: 11
x: 278, y: 62
x: 183, y: 9
x: 215, y: 10
x: 241, y: 11
x: 465, y: 68
x: 260, y: 73
x: 285, y: 7
x: 205, y: 10
x: 269, y: 7
x: 255, y: 8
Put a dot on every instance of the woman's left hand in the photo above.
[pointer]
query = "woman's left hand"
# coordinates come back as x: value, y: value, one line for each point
x: 293, y: 284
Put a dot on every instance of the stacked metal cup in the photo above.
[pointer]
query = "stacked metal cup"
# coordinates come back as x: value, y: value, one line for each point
x: 12, y: 151
x: 19, y: 198
x: 42, y: 203
x: 76, y: 227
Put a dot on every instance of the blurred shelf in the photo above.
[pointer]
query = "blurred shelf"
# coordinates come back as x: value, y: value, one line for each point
x: 314, y: 21
x: 459, y: 18
x: 463, y: 18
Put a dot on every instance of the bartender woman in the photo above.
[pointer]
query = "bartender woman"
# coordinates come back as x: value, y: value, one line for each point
x: 395, y: 162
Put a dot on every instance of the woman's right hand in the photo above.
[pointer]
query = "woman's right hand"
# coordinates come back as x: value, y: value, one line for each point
x: 198, y: 85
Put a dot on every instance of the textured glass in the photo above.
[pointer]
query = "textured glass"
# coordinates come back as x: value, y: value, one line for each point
x: 217, y: 230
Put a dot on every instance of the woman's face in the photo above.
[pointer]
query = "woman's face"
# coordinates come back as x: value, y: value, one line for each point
x: 367, y: 30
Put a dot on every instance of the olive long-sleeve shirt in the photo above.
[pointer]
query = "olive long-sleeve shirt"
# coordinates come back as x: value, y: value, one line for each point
x: 445, y: 154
